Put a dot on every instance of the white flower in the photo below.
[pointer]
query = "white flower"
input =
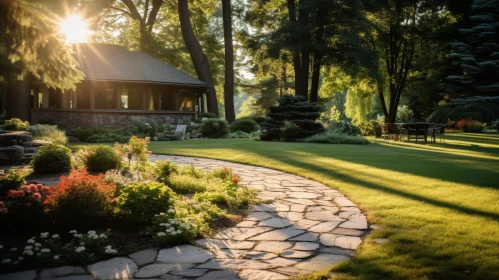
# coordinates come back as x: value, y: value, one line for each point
x: 170, y: 199
x: 94, y: 237
x: 108, y: 247
x: 80, y: 249
x: 37, y: 248
x: 28, y: 252
x: 20, y: 258
x: 38, y: 244
x: 91, y: 232
x: 82, y: 243
x: 156, y: 215
x: 55, y: 236
x: 78, y: 235
x: 1, y: 247
x: 28, y: 247
x: 179, y: 231
x: 161, y: 214
x: 44, y: 234
x: 171, y: 211
x: 160, y: 234
x: 13, y: 249
x: 73, y: 232
x: 102, y: 236
x: 31, y: 241
x: 56, y: 257
x: 45, y: 250
x: 6, y: 261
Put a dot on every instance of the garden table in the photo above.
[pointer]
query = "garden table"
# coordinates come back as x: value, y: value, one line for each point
x: 417, y: 129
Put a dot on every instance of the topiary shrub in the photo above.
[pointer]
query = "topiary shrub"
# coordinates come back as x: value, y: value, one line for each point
x: 102, y: 158
x: 47, y: 120
x: 51, y: 159
x: 80, y: 198
x: 16, y: 125
x: 244, y: 125
x: 207, y: 115
x: 214, y: 128
x: 48, y: 133
x: 139, y: 202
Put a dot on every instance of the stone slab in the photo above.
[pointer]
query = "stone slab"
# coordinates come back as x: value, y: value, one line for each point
x: 116, y: 268
x: 184, y: 254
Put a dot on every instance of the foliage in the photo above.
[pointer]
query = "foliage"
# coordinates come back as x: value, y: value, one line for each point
x: 345, y: 127
x: 296, y: 110
x: 336, y: 137
x: 15, y: 124
x: 139, y: 202
x: 290, y: 132
x: 404, y: 114
x: 255, y: 118
x: 51, y: 159
x: 109, y: 137
x: 84, y: 133
x: 370, y: 128
x: 149, y: 127
x: 80, y: 197
x: 207, y: 115
x: 481, y: 111
x: 164, y: 169
x: 48, y: 133
x: 47, y: 120
x: 469, y: 125
x: 13, y: 179
x: 101, y: 158
x: 214, y: 128
x: 244, y: 125
x: 239, y: 134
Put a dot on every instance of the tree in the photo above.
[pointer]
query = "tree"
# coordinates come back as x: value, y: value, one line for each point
x: 229, y: 62
x: 476, y: 59
x: 31, y: 46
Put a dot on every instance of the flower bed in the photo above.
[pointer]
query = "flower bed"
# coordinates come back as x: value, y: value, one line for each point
x: 87, y: 217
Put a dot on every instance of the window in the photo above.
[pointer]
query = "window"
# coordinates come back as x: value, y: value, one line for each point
x: 105, y: 98
x: 186, y: 101
x: 168, y: 100
x: 33, y: 95
x: 136, y: 96
x: 83, y: 97
x: 124, y: 97
x: 55, y: 98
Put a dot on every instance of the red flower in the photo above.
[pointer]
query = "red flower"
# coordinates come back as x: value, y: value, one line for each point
x: 36, y: 196
x: 39, y: 186
x: 234, y: 181
x: 4, y: 210
x: 45, y: 190
x: 25, y: 188
x: 1, y: 203
x: 33, y: 188
x: 28, y: 205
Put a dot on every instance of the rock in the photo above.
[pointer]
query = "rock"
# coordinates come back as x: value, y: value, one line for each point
x: 235, y: 264
x: 325, y: 216
x: 357, y: 221
x: 73, y: 139
x: 280, y: 262
x: 345, y: 242
x: 292, y: 254
x: 220, y: 275
x: 275, y: 223
x: 320, y: 262
x: 68, y: 277
x: 172, y: 277
x: 189, y: 272
x: 240, y: 234
x: 12, y: 153
x: 259, y: 216
x: 257, y: 255
x: 184, y: 254
x: 117, y: 268
x: 337, y: 251
x: 273, y: 246
x: 230, y: 254
x: 324, y: 227
x: 292, y: 216
x: 224, y: 244
x: 278, y: 235
x: 309, y: 237
x: 306, y: 246
x: 144, y: 257
x: 304, y: 224
x: 62, y: 271
x: 8, y: 138
x: 154, y: 270
x: 344, y: 202
x: 346, y: 231
x: 298, y: 208
x: 25, y: 275
x: 246, y: 224
x: 301, y: 195
x: 255, y: 274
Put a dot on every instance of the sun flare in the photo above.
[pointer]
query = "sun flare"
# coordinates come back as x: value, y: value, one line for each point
x: 74, y: 28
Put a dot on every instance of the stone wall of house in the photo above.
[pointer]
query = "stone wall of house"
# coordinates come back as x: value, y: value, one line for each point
x: 73, y: 119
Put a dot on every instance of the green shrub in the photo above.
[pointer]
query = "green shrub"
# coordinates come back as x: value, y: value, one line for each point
x: 186, y: 183
x: 16, y: 125
x: 149, y: 127
x: 244, y: 125
x: 101, y: 159
x: 290, y: 132
x: 207, y: 115
x: 164, y: 169
x: 346, y: 128
x: 51, y: 159
x: 335, y: 137
x: 47, y: 120
x: 484, y: 112
x: 239, y: 134
x: 13, y: 180
x: 84, y: 133
x: 214, y: 128
x: 139, y: 202
x: 371, y: 128
x: 48, y: 133
x: 109, y: 137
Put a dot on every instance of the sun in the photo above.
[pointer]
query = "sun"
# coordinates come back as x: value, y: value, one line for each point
x: 74, y: 29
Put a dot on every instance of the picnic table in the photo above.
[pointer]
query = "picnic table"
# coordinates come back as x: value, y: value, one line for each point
x: 417, y: 130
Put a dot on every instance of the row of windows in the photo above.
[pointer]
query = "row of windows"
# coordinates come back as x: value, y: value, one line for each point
x: 123, y: 97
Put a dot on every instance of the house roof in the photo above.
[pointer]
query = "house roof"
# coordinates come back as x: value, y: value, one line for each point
x: 106, y: 62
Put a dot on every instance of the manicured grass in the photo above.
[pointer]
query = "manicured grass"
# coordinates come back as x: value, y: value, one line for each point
x: 436, y: 203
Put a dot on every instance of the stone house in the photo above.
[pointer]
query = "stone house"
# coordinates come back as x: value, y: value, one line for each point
x: 120, y: 87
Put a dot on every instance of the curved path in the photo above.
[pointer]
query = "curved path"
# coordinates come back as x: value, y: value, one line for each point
x: 301, y: 226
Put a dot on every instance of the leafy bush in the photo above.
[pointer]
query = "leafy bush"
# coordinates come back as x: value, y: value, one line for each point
x: 109, y: 137
x: 13, y: 179
x: 51, y: 159
x: 207, y: 115
x: 84, y: 133
x: 245, y: 125
x: 345, y: 127
x: 255, y: 118
x: 214, y: 128
x: 48, y: 133
x: 164, y: 169
x: 370, y: 128
x: 495, y: 125
x: 16, y: 125
x: 335, y: 137
x: 239, y: 134
x: 47, y: 120
x: 102, y: 158
x: 469, y: 125
x: 404, y: 114
x: 484, y: 112
x: 149, y: 127
x: 290, y: 132
x: 141, y: 201
x: 80, y: 197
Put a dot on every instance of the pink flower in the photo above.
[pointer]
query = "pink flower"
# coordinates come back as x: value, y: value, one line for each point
x: 25, y: 188
x: 45, y: 190
x: 4, y: 210
x: 39, y: 186
x: 36, y: 196
x: 33, y: 188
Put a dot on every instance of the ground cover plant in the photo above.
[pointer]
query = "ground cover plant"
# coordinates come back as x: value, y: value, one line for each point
x: 48, y: 133
x: 16, y: 125
x: 138, y: 203
x: 435, y: 203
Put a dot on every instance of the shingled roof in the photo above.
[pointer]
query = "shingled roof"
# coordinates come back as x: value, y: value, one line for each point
x: 106, y: 62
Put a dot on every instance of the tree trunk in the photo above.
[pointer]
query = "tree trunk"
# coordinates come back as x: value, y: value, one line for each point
x: 296, y: 53
x: 305, y: 56
x: 318, y: 55
x: 18, y: 99
x: 198, y: 57
x: 230, y: 114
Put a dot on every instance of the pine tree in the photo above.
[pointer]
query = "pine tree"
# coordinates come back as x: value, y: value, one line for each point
x: 477, y: 58
x: 296, y: 111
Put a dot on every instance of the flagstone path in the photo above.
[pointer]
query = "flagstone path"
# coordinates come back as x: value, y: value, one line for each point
x: 301, y: 226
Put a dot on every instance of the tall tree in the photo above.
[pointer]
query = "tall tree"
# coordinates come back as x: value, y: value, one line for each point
x: 198, y: 57
x: 230, y: 114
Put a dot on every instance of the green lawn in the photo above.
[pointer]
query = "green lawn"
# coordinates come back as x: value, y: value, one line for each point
x: 437, y: 204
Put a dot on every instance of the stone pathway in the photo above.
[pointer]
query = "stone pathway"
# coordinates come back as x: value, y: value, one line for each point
x: 301, y: 226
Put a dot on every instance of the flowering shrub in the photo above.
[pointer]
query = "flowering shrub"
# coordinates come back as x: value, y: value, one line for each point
x: 51, y: 159
x: 13, y: 179
x: 140, y: 201
x: 223, y: 173
x: 80, y: 196
x: 469, y: 125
